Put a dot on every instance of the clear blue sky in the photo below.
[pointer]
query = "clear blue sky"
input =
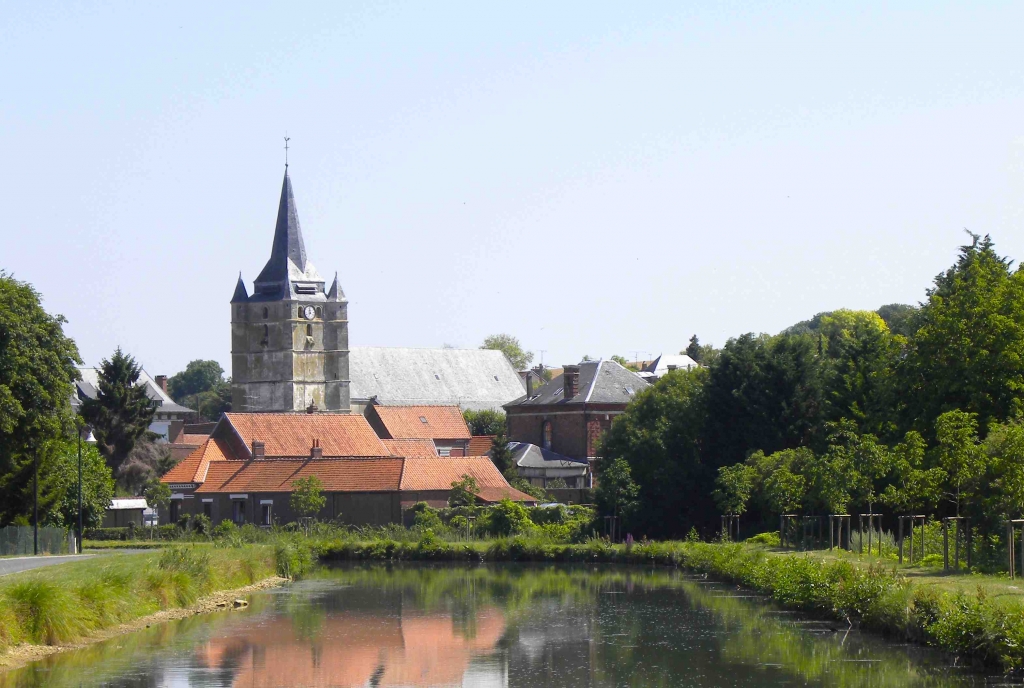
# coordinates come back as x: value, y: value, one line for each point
x: 593, y: 178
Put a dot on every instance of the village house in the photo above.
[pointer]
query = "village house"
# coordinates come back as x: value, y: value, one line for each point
x: 246, y: 470
x: 569, y: 414
x: 443, y: 426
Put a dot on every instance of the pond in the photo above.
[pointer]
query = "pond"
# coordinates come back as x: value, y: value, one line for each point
x: 418, y: 625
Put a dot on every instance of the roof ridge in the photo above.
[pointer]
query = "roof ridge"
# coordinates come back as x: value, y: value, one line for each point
x: 593, y: 381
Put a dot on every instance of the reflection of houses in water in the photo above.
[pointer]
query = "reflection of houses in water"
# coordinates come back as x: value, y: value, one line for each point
x: 353, y: 649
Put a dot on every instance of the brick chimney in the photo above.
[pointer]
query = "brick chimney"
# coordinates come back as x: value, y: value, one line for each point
x: 316, y: 451
x: 571, y: 380
x: 259, y: 450
x: 161, y: 382
x: 529, y: 384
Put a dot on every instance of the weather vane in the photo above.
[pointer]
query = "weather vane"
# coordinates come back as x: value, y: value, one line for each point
x: 286, y: 140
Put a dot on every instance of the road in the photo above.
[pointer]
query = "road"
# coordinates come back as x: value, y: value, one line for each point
x: 18, y: 564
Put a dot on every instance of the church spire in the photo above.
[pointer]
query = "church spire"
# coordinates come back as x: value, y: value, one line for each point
x: 335, y: 293
x: 241, y: 295
x: 288, y: 255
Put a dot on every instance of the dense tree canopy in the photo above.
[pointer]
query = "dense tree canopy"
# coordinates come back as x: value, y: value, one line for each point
x: 202, y: 387
x: 908, y: 409
x: 659, y: 437
x: 968, y: 352
x: 37, y: 374
x: 97, y: 485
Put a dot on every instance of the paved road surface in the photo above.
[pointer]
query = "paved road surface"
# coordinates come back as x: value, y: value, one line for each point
x: 18, y: 564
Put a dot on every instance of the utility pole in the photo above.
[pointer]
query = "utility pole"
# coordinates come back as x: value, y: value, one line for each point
x: 35, y: 506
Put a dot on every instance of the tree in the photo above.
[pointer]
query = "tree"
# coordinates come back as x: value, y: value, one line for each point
x: 616, y: 492
x: 97, y: 485
x: 157, y: 494
x: 464, y: 491
x: 781, y: 479
x: 501, y: 455
x: 308, y: 496
x: 967, y: 350
x: 148, y: 460
x: 763, y: 393
x: 693, y: 349
x: 510, y: 346
x: 621, y: 360
x: 121, y: 413
x: 859, y: 353
x: 659, y: 438
x: 733, y: 488
x: 912, y: 488
x: 959, y: 454
x: 1005, y: 449
x: 199, y: 376
x: 900, y: 318
x: 485, y: 422
x: 37, y: 374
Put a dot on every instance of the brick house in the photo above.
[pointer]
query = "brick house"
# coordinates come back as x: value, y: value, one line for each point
x: 569, y: 414
x: 245, y: 470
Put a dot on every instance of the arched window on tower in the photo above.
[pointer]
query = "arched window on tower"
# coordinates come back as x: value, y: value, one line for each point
x: 266, y: 313
x: 546, y: 434
x: 266, y: 336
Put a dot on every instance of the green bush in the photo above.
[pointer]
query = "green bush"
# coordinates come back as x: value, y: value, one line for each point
x: 224, y: 529
x: 505, y: 518
x: 771, y: 539
x: 425, y: 517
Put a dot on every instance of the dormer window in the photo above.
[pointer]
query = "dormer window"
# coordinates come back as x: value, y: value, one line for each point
x: 423, y: 419
x: 305, y: 288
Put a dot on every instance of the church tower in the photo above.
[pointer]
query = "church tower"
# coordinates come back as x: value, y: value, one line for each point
x: 289, y: 340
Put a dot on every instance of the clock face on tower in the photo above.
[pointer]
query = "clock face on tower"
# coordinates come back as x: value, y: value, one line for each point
x: 308, y: 312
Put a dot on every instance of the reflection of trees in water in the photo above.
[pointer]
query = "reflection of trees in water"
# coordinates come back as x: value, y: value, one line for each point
x: 544, y: 625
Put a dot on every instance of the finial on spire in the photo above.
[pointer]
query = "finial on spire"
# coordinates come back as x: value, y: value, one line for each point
x: 286, y: 140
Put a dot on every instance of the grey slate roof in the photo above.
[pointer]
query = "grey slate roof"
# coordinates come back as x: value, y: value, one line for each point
x: 88, y: 387
x: 288, y: 263
x: 601, y: 382
x: 663, y: 363
x: 474, y: 379
x: 240, y: 295
x: 528, y: 455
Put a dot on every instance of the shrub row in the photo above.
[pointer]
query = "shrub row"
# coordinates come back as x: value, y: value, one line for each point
x: 165, y: 532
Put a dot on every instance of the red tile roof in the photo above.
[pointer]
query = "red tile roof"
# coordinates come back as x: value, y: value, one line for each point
x: 193, y: 468
x: 292, y: 434
x: 440, y: 473
x: 423, y: 422
x: 479, y: 445
x: 277, y: 475
x: 190, y: 438
x: 422, y: 449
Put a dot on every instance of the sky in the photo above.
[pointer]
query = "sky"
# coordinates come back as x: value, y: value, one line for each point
x: 593, y: 178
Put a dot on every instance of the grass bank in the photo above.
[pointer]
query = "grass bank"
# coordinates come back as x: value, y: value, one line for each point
x: 67, y: 603
x: 968, y: 624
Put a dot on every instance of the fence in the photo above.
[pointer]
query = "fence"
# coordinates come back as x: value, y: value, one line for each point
x: 18, y: 540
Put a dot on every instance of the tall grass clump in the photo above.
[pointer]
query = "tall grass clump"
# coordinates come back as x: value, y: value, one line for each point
x: 48, y: 612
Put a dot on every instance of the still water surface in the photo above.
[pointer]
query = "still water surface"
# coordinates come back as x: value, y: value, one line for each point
x: 498, y: 626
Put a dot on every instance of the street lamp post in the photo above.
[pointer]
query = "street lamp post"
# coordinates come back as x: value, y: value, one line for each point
x: 35, y: 506
x: 89, y: 440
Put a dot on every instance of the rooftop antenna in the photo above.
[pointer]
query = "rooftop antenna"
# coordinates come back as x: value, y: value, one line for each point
x: 286, y: 140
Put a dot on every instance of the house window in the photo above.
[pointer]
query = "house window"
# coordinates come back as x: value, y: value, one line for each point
x: 238, y: 511
x: 265, y: 514
x: 175, y: 510
x: 208, y: 510
x: 546, y: 434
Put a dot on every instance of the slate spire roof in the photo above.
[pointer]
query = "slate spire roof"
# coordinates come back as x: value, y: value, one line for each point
x: 288, y: 262
x: 241, y: 295
x: 335, y: 293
